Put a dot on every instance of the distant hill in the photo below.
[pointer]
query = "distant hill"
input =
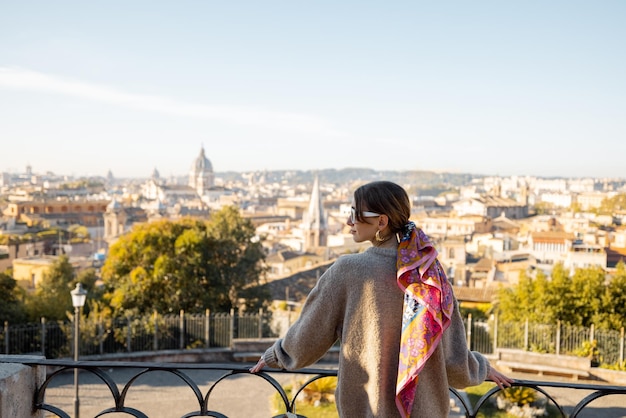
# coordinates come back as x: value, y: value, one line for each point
x: 415, y: 181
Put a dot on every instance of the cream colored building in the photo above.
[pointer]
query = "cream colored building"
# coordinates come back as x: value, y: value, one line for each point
x: 491, y: 207
x: 29, y: 272
x: 452, y: 257
x: 592, y: 200
x: 445, y: 226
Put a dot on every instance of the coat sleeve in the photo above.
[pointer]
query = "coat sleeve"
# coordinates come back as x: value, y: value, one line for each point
x: 315, y: 331
x: 464, y: 367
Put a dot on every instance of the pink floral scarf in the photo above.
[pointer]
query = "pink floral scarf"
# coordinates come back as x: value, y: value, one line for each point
x: 428, y: 305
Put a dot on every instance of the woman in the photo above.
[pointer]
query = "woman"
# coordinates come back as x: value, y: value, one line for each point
x: 402, y: 337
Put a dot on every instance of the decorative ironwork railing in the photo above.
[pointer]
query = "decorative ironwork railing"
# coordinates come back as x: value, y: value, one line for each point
x: 103, y: 371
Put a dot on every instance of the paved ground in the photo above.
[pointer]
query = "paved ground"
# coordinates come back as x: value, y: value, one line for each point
x: 162, y: 395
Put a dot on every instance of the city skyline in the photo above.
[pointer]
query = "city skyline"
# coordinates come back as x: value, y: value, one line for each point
x: 492, y: 88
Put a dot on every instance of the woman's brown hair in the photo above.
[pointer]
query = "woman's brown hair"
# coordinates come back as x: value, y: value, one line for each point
x: 386, y: 198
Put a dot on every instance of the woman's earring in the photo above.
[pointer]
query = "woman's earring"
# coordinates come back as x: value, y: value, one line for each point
x: 378, y: 237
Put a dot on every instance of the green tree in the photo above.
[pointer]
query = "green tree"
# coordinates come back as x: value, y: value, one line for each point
x: 614, y: 299
x: 527, y: 300
x: 542, y: 299
x: 583, y: 299
x: 588, y: 286
x: 188, y: 264
x: 11, y: 307
x: 560, y: 295
x: 150, y: 268
x: 575, y: 207
x: 543, y: 208
x: 95, y: 294
x: 52, y: 297
x: 610, y: 205
x: 525, y: 297
x: 506, y: 302
x: 78, y: 233
x: 238, y: 265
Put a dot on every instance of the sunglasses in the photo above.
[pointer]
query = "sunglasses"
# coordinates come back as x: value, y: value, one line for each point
x: 364, y: 214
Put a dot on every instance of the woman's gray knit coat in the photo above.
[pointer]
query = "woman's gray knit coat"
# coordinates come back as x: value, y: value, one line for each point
x: 358, y: 301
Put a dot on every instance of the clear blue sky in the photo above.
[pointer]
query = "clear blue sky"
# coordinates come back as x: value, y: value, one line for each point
x: 490, y: 87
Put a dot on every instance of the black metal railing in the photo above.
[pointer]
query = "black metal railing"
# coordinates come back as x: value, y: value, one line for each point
x: 104, y: 371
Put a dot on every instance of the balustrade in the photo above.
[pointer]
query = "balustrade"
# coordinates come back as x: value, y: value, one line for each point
x: 202, y: 396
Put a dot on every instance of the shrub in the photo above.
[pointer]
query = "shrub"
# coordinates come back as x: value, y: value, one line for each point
x: 317, y: 399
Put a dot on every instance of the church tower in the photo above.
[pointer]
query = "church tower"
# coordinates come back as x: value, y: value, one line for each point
x: 115, y: 219
x: 314, y: 222
x: 201, y: 177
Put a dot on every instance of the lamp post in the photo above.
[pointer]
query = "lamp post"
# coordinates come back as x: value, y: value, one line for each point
x: 78, y: 300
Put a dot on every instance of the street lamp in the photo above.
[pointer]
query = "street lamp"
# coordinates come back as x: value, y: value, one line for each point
x: 78, y: 300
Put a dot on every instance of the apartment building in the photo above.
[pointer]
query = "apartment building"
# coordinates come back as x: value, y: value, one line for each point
x: 52, y: 212
x: 491, y: 207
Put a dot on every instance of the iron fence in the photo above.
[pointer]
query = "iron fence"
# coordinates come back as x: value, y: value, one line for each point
x: 157, y: 332
x: 602, y: 345
x: 54, y: 339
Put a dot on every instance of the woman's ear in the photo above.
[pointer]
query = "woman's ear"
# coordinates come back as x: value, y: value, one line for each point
x: 383, y: 221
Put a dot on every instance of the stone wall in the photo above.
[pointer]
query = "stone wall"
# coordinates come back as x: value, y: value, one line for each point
x: 17, y: 388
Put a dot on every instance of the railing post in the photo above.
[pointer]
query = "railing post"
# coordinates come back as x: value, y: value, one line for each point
x: 526, y: 335
x: 207, y: 324
x: 181, y: 327
x: 43, y: 336
x: 155, y: 340
x: 592, y: 333
x: 495, y: 335
x: 260, y: 322
x: 621, y: 344
x: 469, y: 331
x: 128, y: 335
x: 6, y: 337
x: 100, y: 336
x: 558, y: 337
x: 232, y: 327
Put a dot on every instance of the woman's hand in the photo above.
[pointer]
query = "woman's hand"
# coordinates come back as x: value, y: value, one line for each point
x: 258, y: 366
x: 499, y: 379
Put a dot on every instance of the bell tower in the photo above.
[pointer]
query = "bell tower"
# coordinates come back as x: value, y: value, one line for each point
x: 314, y: 221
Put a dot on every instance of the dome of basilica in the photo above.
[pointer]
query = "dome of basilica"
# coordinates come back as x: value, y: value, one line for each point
x: 201, y: 175
x: 202, y: 163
